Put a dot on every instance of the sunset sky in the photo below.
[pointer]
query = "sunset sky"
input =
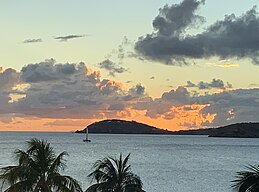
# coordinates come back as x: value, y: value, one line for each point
x: 171, y: 64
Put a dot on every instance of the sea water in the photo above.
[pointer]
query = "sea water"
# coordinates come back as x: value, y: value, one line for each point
x: 165, y: 163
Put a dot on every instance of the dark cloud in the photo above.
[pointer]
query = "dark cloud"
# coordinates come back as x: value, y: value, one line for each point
x: 233, y: 37
x: 64, y: 91
x: 79, y: 92
x: 32, y: 41
x: 190, y: 84
x: 117, y: 107
x: 241, y: 105
x: 111, y: 67
x: 69, y: 37
x: 46, y: 71
x: 137, y: 90
x: 108, y: 87
x: 8, y: 78
x: 215, y: 83
x: 173, y: 20
x: 180, y: 96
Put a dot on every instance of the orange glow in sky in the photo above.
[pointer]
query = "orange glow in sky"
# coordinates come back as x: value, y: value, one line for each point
x: 182, y: 118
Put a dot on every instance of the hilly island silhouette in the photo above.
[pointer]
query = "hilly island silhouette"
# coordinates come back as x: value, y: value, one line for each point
x: 116, y: 126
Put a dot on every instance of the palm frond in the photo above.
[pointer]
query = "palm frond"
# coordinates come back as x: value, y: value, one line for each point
x: 38, y: 170
x: 59, y: 163
x: 125, y: 162
x: 12, y: 174
x: 131, y: 179
x: 93, y: 188
x: 98, y: 175
x: 64, y: 183
x: 99, y: 187
x: 109, y: 166
x: 22, y: 157
x: 247, y: 181
x: 113, y: 174
x: 20, y: 186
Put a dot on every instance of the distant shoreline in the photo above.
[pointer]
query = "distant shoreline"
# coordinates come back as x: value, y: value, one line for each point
x: 115, y: 126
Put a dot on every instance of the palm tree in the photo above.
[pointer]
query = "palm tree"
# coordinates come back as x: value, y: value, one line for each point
x: 247, y: 181
x: 38, y: 171
x: 114, y: 175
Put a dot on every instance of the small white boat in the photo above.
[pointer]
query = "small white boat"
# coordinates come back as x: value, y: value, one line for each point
x: 86, y: 136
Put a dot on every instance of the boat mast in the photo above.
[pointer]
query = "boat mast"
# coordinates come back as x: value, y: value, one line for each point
x: 86, y: 136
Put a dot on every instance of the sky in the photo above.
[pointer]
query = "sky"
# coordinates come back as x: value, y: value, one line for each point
x: 179, y: 64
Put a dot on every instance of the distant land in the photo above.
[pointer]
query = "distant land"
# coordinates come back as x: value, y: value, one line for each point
x: 238, y: 130
x: 115, y: 126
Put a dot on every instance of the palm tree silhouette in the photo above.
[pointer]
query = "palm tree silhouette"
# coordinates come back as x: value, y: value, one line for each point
x: 114, y: 175
x: 38, y: 171
x: 247, y: 181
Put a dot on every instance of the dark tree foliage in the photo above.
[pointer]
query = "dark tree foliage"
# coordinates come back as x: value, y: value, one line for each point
x: 38, y: 170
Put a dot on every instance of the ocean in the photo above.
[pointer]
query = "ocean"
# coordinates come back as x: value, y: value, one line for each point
x: 165, y: 163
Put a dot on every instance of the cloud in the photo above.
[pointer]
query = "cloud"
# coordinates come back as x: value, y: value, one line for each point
x: 225, y: 63
x: 64, y: 122
x: 228, y: 65
x: 215, y: 83
x: 79, y: 92
x: 165, y: 43
x: 233, y: 37
x: 69, y: 37
x: 111, y: 67
x: 253, y: 85
x: 241, y: 105
x: 180, y: 96
x: 57, y: 90
x: 46, y: 71
x: 8, y: 78
x: 137, y: 90
x: 190, y: 84
x: 32, y: 40
x: 123, y: 50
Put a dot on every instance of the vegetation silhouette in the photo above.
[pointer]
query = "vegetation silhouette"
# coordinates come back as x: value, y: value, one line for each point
x: 114, y: 175
x: 38, y: 170
x: 247, y: 181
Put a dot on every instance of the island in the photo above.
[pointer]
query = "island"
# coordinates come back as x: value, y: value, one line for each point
x: 238, y: 130
x: 116, y: 126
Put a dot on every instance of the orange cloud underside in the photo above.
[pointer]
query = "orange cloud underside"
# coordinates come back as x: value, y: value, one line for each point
x: 183, y: 119
x: 178, y: 118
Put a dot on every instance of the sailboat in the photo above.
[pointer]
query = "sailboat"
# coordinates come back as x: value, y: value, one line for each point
x: 86, y: 136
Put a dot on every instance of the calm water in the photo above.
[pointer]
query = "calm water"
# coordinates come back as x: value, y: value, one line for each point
x: 165, y: 163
